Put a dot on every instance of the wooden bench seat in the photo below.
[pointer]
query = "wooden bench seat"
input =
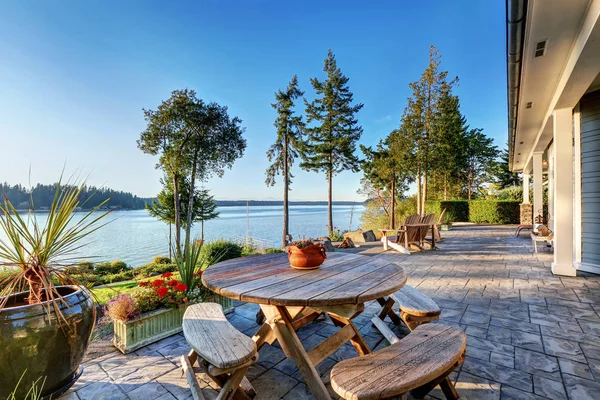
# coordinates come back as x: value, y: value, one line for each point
x: 223, y: 353
x: 416, y: 364
x: 416, y: 308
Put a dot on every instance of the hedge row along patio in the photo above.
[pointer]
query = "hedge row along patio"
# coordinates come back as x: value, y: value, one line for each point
x: 478, y: 211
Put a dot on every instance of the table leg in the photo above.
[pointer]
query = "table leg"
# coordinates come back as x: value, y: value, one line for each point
x: 281, y: 323
x: 387, y: 306
x: 361, y: 347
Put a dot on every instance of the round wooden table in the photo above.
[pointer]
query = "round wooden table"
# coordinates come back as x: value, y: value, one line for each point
x: 292, y: 298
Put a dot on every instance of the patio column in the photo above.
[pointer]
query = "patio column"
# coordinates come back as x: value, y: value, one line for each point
x: 525, y: 188
x: 563, y: 192
x: 538, y: 184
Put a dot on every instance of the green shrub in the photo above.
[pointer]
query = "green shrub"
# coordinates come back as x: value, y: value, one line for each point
x: 272, y: 250
x: 494, y: 211
x: 153, y: 269
x: 161, y: 260
x: 108, y: 268
x: 118, y: 277
x: 220, y: 250
x: 457, y: 209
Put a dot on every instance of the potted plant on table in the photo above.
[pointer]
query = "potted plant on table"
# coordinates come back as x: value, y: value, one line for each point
x: 305, y: 254
x: 46, y: 317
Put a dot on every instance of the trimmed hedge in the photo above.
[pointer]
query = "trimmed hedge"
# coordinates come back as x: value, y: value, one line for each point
x: 479, y: 211
x: 456, y: 210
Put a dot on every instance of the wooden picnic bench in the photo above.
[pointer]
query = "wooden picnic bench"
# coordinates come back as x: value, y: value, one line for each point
x: 416, y: 364
x: 292, y: 298
x: 223, y: 353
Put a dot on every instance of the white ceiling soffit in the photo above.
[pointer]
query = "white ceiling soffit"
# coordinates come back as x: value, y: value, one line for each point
x: 545, y: 78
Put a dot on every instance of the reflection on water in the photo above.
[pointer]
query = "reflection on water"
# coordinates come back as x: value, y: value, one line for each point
x: 135, y: 237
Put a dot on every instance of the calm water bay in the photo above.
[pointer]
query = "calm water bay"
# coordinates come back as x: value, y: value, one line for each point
x: 135, y: 237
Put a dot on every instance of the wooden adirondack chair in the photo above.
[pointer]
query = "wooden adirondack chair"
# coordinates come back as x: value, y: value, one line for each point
x: 436, y: 227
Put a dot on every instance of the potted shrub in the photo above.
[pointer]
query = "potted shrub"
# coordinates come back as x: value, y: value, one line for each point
x: 305, y: 254
x: 46, y: 317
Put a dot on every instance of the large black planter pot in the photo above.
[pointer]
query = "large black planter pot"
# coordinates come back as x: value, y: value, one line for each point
x: 34, y: 343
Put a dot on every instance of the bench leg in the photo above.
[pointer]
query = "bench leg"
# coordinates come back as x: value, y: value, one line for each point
x: 231, y: 385
x: 358, y: 342
x: 187, y: 369
x: 445, y: 383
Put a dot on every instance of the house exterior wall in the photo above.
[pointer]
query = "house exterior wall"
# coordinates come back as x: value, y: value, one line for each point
x: 590, y: 180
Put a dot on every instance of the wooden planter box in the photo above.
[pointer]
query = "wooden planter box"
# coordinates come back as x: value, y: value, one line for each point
x: 155, y: 325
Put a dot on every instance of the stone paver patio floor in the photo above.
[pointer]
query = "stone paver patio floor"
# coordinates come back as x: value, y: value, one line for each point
x: 531, y: 335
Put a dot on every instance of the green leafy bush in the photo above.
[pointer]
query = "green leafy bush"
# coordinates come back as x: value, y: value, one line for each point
x: 494, y: 211
x: 220, y: 250
x: 153, y: 269
x: 161, y: 260
x: 118, y: 277
x: 106, y: 268
x: 272, y: 250
x: 457, y: 209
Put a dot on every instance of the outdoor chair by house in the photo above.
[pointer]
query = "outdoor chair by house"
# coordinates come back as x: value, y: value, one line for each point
x: 416, y: 364
x: 223, y: 353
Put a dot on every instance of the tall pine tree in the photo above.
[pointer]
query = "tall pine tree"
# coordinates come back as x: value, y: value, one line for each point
x: 334, y: 131
x: 287, y: 146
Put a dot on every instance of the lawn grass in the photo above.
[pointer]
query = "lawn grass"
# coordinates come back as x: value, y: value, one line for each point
x: 103, y: 294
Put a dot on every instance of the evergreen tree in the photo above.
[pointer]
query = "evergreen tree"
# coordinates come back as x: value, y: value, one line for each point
x: 206, y: 207
x: 287, y: 146
x: 504, y: 177
x: 480, y: 155
x: 334, y: 131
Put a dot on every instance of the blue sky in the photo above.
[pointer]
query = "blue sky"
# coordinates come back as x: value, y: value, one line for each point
x: 75, y: 75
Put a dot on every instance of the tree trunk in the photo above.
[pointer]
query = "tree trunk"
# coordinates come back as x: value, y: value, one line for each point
x: 445, y: 187
x: 419, y: 190
x: 286, y: 183
x: 424, y: 197
x: 393, y: 204
x: 170, y: 241
x: 329, y: 198
x: 469, y: 185
x: 202, y: 230
x: 177, y: 214
x: 188, y: 225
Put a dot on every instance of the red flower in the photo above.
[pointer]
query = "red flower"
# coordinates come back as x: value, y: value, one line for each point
x: 181, y: 287
x: 199, y: 273
x: 162, y: 292
x: 144, y: 283
x: 158, y: 282
x: 167, y: 274
x: 172, y: 283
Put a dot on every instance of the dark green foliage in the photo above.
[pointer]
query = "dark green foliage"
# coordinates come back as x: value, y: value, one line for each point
x: 503, y: 176
x: 273, y: 250
x: 161, y: 260
x: 220, y: 250
x: 333, y: 129
x: 90, y: 197
x: 494, y: 211
x: 153, y: 269
x: 118, y: 277
x: 479, y: 211
x: 114, y: 267
x: 456, y: 210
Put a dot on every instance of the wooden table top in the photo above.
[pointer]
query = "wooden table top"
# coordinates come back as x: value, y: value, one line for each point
x: 343, y: 279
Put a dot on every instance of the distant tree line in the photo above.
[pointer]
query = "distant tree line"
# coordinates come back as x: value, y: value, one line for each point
x: 40, y: 197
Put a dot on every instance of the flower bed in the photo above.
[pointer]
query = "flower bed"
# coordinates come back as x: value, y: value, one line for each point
x: 155, y: 311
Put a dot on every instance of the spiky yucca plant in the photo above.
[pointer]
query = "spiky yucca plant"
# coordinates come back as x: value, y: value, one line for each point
x: 40, y: 252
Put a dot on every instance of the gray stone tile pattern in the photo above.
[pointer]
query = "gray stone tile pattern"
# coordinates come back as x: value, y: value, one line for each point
x: 531, y: 335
